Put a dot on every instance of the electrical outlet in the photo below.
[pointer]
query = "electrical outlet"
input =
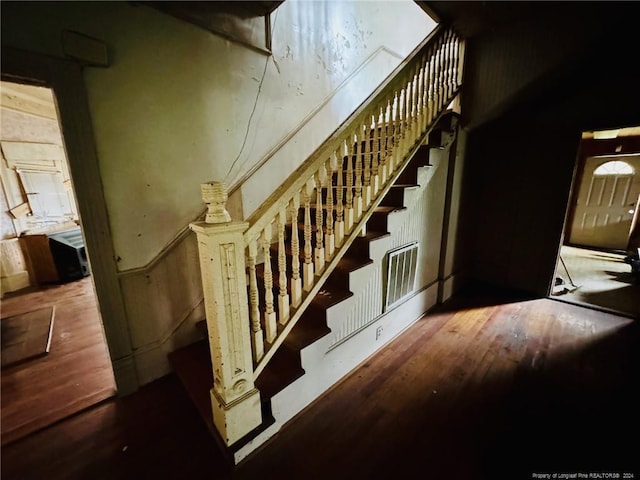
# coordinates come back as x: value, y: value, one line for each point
x: 378, y: 332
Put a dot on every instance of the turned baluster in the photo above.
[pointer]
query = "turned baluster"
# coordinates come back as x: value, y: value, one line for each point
x: 348, y: 149
x: 366, y: 159
x: 409, y: 110
x: 399, y: 133
x: 357, y: 191
x: 257, y: 342
x: 424, y: 98
x: 432, y: 85
x: 415, y: 119
x: 440, y: 82
x: 387, y: 142
x: 319, y: 250
x: 436, y: 79
x: 460, y: 50
x: 455, y: 52
x: 448, y: 64
x: 296, y: 280
x: 427, y: 86
x: 454, y: 62
x: 339, y: 225
x: 269, y: 312
x: 408, y: 95
x: 423, y: 92
x: 375, y: 151
x: 329, y: 240
x: 307, y: 272
x: 283, y: 297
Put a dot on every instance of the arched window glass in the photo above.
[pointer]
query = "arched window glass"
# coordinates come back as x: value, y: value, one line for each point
x: 614, y: 167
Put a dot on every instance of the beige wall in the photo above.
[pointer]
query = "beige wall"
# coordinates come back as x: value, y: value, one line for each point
x: 532, y: 86
x: 172, y: 109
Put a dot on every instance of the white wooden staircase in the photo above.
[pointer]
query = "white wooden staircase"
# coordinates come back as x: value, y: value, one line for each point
x: 270, y: 282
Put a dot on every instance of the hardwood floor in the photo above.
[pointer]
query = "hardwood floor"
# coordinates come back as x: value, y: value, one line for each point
x: 482, y: 388
x: 75, y: 374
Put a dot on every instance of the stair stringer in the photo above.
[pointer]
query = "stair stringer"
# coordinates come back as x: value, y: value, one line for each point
x: 326, y: 362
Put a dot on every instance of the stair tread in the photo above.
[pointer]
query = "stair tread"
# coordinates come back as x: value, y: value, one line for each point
x: 192, y: 365
x: 281, y: 371
x: 372, y: 235
x: 304, y: 336
x: 349, y: 264
x: 330, y: 295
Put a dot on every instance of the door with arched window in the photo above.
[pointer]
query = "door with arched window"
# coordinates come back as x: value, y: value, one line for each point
x: 606, y: 200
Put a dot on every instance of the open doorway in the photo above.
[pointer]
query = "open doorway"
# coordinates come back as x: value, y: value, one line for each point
x: 45, y: 275
x: 598, y: 262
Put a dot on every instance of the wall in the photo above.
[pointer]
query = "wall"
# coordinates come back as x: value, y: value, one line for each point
x: 519, y: 167
x: 178, y: 106
x: 519, y: 197
x: 172, y: 109
x: 532, y: 48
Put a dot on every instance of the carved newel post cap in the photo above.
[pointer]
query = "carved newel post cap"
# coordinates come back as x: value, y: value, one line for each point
x: 215, y: 196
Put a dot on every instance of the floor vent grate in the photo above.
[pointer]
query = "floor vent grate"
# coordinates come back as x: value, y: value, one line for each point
x: 401, y: 274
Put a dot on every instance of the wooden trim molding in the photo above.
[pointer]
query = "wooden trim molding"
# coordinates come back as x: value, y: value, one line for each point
x: 67, y: 81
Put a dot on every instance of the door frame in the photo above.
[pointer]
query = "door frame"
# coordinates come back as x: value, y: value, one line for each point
x: 590, y: 147
x: 66, y: 79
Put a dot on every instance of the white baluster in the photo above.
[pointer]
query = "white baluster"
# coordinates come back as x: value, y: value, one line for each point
x: 269, y: 314
x: 415, y: 111
x: 348, y: 212
x: 375, y: 151
x: 257, y: 342
x: 319, y: 250
x: 283, y: 297
x: 398, y: 133
x: 366, y: 159
x: 357, y: 190
x: 307, y: 271
x: 339, y: 225
x: 329, y: 239
x: 386, y: 141
x: 296, y: 280
x: 432, y: 85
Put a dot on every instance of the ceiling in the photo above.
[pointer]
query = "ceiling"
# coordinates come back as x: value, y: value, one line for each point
x: 246, y: 22
x: 471, y: 18
x: 201, y: 13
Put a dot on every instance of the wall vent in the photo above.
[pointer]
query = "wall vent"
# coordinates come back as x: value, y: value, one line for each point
x: 401, y: 274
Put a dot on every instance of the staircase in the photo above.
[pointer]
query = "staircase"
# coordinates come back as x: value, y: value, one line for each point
x: 271, y: 282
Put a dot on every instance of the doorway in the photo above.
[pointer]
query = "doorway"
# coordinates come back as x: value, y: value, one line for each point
x: 597, y: 262
x: 39, y: 209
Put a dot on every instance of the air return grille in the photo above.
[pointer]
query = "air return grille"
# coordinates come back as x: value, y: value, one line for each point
x: 401, y: 274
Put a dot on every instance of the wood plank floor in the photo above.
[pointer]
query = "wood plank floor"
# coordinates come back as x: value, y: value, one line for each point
x: 484, y: 388
x: 75, y: 374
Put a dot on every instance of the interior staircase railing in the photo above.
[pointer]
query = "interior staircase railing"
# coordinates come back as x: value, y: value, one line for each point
x: 260, y: 275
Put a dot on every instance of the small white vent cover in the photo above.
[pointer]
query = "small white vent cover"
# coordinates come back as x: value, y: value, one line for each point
x: 401, y: 274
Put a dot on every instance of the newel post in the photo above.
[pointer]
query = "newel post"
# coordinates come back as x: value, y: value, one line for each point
x: 234, y: 398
